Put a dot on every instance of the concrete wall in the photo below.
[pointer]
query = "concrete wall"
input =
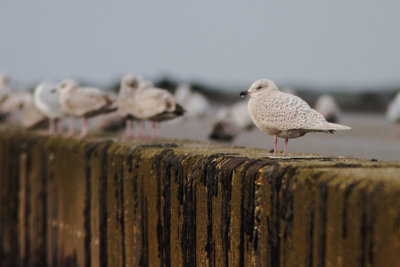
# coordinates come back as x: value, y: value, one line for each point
x: 102, y: 202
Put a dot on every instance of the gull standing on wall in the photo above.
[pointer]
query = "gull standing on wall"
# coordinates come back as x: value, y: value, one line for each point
x: 126, y: 101
x: 46, y: 99
x: 284, y: 115
x: 83, y: 102
x: 155, y: 104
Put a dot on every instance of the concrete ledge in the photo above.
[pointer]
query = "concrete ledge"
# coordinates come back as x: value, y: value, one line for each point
x: 103, y: 202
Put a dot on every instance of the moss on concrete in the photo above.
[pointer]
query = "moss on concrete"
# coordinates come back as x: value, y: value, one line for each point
x: 102, y: 201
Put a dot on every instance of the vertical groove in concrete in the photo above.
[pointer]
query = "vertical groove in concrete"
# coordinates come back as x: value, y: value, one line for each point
x: 323, y: 191
x: 103, y: 207
x: 87, y: 209
x: 27, y: 206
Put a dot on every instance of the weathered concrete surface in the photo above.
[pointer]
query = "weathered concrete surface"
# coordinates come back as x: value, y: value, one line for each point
x: 103, y: 202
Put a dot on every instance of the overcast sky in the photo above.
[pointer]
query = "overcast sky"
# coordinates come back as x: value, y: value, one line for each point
x: 342, y: 42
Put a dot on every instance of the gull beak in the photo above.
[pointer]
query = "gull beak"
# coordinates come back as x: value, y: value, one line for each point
x: 244, y: 93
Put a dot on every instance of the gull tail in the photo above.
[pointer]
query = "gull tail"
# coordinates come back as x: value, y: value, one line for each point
x: 333, y: 127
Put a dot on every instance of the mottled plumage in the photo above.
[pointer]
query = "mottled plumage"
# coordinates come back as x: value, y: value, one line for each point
x: 126, y: 96
x: 155, y: 105
x: 83, y: 102
x: 284, y: 115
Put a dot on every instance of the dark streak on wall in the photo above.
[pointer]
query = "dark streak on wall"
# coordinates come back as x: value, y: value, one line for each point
x: 27, y: 211
x: 209, y: 179
x: 273, y: 219
x: 163, y: 213
x: 323, y: 210
x: 226, y: 172
x: 87, y: 209
x: 103, y: 207
x: 348, y: 190
x: 310, y: 238
x: 41, y: 251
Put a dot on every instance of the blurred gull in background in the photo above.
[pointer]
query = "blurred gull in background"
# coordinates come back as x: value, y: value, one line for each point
x: 326, y: 105
x: 230, y: 122
x: 195, y: 104
x: 154, y: 104
x: 12, y: 100
x: 393, y: 111
x: 83, y: 102
x: 32, y: 118
x: 4, y: 87
x: 46, y: 99
x: 126, y: 101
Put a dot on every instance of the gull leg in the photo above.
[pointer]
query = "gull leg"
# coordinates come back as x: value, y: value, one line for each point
x: 52, y: 126
x: 275, y: 145
x: 153, y: 130
x: 141, y: 128
x: 285, y: 147
x: 84, y: 128
x: 128, y: 127
x: 70, y: 127
x: 60, y: 126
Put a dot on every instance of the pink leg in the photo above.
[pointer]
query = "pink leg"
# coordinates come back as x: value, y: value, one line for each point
x: 70, y: 127
x: 153, y: 131
x: 52, y: 126
x: 84, y: 128
x: 128, y: 127
x: 275, y: 145
x: 284, y: 149
x: 141, y: 129
x: 60, y: 126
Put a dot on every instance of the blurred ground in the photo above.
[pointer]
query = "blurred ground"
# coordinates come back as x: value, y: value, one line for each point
x: 371, y: 137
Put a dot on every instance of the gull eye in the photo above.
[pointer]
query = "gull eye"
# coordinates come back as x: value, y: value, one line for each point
x: 259, y: 87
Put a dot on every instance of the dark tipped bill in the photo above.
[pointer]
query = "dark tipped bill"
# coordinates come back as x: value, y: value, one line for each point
x: 244, y: 93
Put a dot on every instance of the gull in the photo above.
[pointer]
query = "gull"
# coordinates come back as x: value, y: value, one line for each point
x: 230, y: 122
x: 31, y: 117
x: 326, y: 105
x: 110, y: 122
x: 14, y: 101
x: 126, y: 101
x: 195, y: 104
x: 393, y: 111
x: 154, y: 104
x: 4, y: 86
x: 11, y: 100
x: 284, y: 115
x: 83, y: 102
x: 47, y: 100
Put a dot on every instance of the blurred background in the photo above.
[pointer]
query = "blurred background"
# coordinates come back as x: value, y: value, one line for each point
x: 347, y: 51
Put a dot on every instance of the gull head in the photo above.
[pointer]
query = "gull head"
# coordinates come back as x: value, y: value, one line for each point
x: 130, y: 81
x: 67, y: 85
x: 145, y: 84
x: 259, y: 87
